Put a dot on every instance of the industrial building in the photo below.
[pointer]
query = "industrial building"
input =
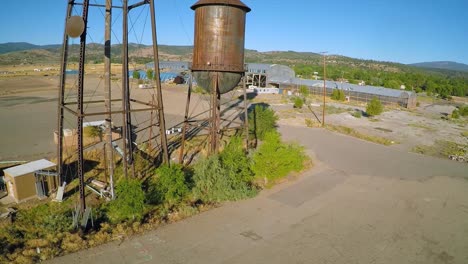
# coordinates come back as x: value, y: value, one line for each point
x: 260, y: 75
x: 283, y: 77
x: 362, y: 93
x: 31, y: 180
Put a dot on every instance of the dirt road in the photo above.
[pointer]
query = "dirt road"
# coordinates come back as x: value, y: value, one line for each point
x: 362, y: 203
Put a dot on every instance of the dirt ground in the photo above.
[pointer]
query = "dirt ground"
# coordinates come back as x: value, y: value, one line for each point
x: 407, y: 128
x: 28, y: 115
x: 28, y: 110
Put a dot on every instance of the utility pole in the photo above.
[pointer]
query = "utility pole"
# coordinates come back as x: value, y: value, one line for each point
x: 324, y: 86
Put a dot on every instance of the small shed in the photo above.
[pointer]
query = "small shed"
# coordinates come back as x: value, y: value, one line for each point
x: 31, y: 180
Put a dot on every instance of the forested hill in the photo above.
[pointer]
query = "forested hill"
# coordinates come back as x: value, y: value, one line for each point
x: 446, y: 65
x: 443, y: 82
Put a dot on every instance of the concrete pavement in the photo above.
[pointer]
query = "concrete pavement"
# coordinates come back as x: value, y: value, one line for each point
x: 362, y: 203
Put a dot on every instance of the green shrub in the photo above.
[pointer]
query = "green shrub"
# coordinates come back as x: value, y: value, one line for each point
x: 236, y: 164
x: 211, y: 185
x: 224, y: 177
x: 274, y: 160
x: 136, y: 75
x: 374, y: 107
x: 455, y: 114
x: 463, y: 110
x: 298, y: 102
x: 150, y: 74
x: 357, y: 114
x: 168, y: 186
x: 47, y: 218
x: 93, y: 132
x: 129, y: 203
x: 304, y: 90
x: 338, y: 95
x: 262, y: 120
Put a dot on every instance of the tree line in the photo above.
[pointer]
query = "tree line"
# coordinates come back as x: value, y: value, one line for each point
x: 441, y: 82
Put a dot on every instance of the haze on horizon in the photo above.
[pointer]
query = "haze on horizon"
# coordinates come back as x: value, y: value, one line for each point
x: 398, y: 31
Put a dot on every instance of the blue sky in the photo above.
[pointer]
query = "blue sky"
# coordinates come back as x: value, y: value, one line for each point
x: 405, y: 31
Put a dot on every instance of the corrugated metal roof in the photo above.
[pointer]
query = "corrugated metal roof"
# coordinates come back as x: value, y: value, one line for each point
x: 258, y: 67
x: 376, y: 90
x: 29, y: 167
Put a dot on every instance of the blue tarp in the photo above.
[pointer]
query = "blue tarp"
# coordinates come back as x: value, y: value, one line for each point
x: 163, y: 75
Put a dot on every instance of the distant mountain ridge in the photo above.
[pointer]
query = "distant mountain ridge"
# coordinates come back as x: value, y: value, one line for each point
x: 20, y: 46
x: 26, y: 53
x: 445, y: 65
x: 442, y: 78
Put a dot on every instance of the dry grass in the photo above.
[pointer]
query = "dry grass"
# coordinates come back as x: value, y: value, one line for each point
x: 442, y: 149
x: 425, y: 127
x: 351, y: 132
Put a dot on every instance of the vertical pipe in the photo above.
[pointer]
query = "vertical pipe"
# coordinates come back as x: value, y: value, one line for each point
x: 246, y: 114
x: 150, y: 137
x: 214, y: 113
x: 61, y: 96
x: 162, y: 121
x: 108, y: 96
x: 324, y: 91
x: 184, y: 129
x: 80, y: 110
x: 125, y: 86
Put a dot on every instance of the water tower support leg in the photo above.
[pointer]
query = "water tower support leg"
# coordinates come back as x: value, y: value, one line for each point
x: 184, y: 128
x: 246, y: 115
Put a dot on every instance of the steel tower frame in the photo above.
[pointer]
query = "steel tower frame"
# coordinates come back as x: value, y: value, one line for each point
x: 80, y: 113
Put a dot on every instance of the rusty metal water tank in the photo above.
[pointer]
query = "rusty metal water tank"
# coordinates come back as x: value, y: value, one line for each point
x: 218, y: 54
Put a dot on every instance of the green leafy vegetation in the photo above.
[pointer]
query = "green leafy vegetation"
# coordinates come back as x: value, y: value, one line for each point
x: 455, y: 114
x: 150, y: 74
x: 304, y: 90
x: 39, y: 226
x: 93, y: 132
x: 136, y: 75
x: 298, y: 102
x: 274, y: 159
x: 338, y: 95
x: 357, y: 113
x: 262, y: 120
x: 463, y: 110
x: 374, y: 107
x: 129, y: 203
x: 168, y: 185
x: 224, y: 177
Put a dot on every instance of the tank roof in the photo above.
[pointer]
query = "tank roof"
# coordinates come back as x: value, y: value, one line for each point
x: 235, y: 3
